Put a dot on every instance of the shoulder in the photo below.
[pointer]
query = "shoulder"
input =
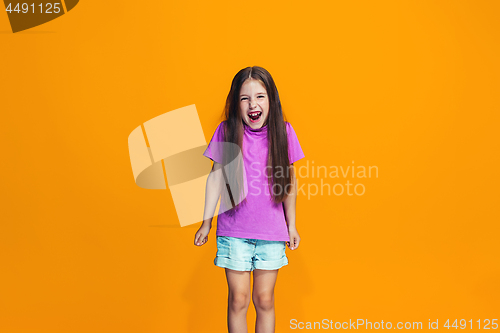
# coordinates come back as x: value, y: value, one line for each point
x: 221, y: 124
x: 289, y: 128
x: 294, y: 150
x: 220, y: 127
x: 218, y: 134
x: 290, y: 132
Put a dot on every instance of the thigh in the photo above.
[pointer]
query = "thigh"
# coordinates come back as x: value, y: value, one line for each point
x: 238, y: 282
x: 264, y: 281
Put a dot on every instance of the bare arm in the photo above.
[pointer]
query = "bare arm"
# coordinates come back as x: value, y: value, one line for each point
x: 212, y: 194
x: 289, y: 205
x: 291, y: 201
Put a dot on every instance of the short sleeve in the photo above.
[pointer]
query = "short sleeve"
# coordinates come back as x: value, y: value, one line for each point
x: 213, y: 150
x: 295, y: 152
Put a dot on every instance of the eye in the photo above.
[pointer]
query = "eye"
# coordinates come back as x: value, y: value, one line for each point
x: 261, y: 96
x: 244, y: 98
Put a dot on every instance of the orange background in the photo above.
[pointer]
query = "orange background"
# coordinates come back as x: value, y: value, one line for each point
x: 408, y: 86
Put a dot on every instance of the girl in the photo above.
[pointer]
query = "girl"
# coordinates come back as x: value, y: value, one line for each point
x: 253, y: 227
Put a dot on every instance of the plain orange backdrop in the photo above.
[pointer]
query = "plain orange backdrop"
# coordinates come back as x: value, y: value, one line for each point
x: 408, y: 86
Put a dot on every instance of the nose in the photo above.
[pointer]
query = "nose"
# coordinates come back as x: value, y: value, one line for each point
x: 252, y: 103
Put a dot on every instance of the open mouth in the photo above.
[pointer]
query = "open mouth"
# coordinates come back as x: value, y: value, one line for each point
x: 255, y: 116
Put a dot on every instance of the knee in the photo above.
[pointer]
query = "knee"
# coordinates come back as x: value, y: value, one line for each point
x: 239, y: 300
x: 264, y: 302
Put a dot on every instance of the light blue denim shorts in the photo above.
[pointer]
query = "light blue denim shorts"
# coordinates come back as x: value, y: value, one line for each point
x: 245, y: 254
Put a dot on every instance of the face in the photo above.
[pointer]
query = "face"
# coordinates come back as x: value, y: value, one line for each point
x: 254, y: 103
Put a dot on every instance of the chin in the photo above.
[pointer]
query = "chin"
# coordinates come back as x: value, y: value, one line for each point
x: 256, y: 125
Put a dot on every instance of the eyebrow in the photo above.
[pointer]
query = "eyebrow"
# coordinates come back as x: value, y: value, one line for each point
x: 261, y: 93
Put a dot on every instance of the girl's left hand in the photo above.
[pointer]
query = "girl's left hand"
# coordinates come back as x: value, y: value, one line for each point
x: 293, y: 244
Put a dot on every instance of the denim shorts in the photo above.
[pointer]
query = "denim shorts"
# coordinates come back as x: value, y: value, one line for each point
x: 245, y: 254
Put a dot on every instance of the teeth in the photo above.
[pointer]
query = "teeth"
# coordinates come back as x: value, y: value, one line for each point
x: 254, y: 113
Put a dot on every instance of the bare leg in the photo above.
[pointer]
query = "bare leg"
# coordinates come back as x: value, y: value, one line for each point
x: 263, y: 299
x: 238, y: 300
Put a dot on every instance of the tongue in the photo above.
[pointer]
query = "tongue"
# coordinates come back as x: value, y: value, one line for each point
x: 254, y: 117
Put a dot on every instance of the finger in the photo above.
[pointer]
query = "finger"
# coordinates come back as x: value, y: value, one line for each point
x: 203, y: 240
x: 197, y: 240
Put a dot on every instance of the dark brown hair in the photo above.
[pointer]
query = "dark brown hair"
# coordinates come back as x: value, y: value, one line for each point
x: 278, y: 175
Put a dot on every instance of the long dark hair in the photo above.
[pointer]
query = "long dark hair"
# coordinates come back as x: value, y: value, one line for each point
x: 277, y: 159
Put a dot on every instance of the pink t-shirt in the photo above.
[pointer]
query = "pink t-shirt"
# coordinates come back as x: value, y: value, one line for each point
x: 258, y: 217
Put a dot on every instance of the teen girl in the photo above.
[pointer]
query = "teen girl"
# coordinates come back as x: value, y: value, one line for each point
x: 252, y: 233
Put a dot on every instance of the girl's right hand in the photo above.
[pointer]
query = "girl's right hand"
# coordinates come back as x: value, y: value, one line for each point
x: 201, y: 236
